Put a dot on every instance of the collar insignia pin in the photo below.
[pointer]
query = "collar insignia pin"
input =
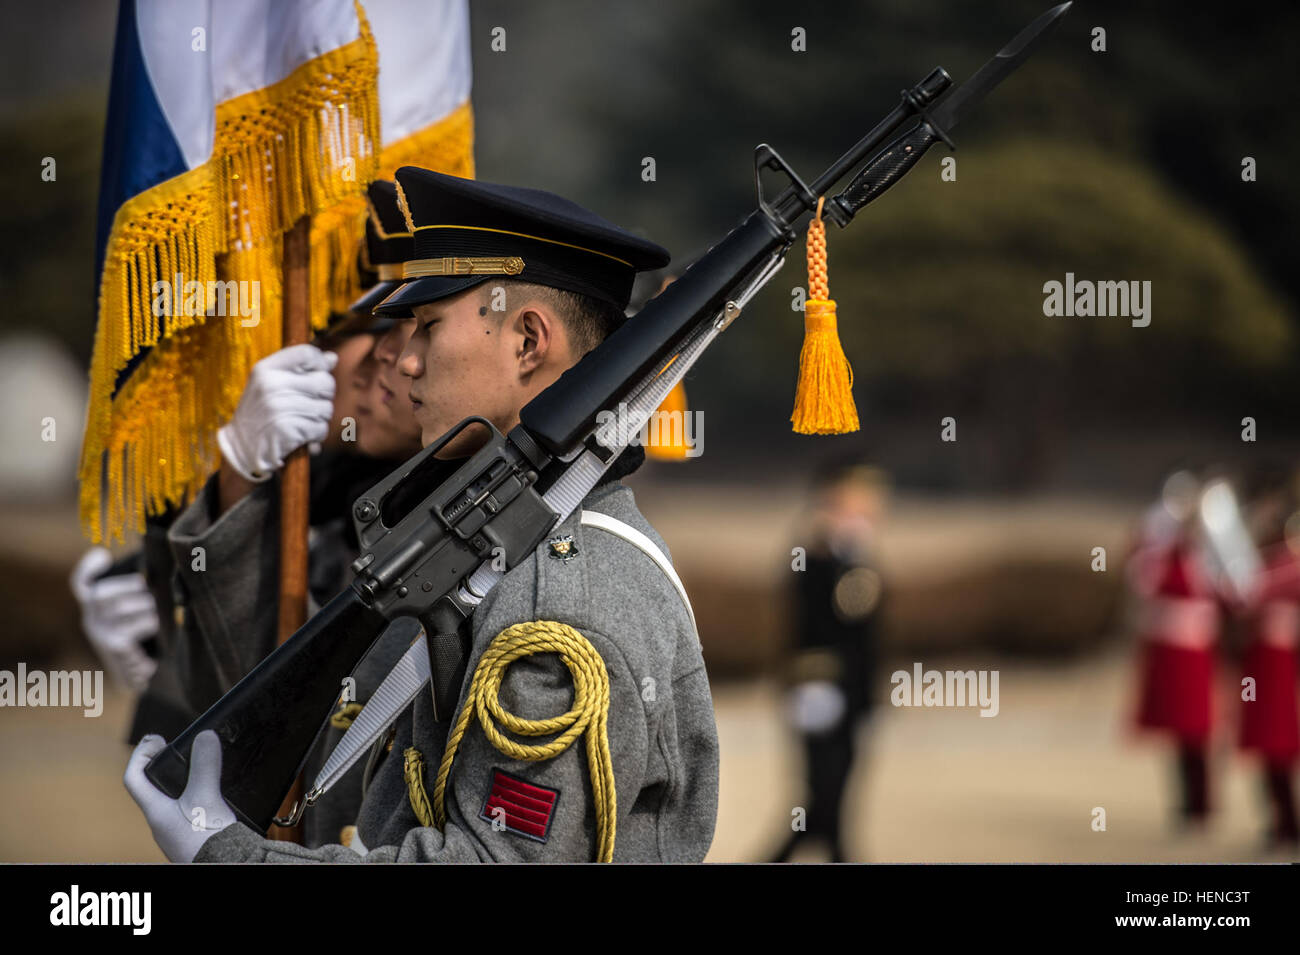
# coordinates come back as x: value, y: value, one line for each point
x: 562, y: 548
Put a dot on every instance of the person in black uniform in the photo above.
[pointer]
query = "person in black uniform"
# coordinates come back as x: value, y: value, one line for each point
x: 829, y: 672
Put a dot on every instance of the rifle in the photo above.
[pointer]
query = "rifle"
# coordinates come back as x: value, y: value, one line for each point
x: 429, y: 547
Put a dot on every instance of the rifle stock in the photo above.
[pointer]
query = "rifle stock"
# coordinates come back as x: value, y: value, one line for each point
x: 269, y: 719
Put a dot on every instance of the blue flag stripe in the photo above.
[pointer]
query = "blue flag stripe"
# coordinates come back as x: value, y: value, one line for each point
x: 139, y: 148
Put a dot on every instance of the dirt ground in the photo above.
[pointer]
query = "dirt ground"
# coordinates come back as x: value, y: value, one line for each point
x: 934, y: 785
x: 946, y: 785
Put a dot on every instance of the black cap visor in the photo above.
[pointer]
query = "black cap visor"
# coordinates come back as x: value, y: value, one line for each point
x: 356, y: 324
x: 372, y: 296
x: 402, y: 302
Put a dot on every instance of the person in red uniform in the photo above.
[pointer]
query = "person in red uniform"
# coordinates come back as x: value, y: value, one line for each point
x: 1270, y: 714
x: 1179, y: 622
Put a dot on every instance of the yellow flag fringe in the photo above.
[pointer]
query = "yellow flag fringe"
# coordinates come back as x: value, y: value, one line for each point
x: 304, y: 146
x: 338, y: 235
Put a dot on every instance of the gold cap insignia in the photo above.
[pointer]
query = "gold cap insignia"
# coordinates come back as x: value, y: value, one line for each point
x: 465, y: 265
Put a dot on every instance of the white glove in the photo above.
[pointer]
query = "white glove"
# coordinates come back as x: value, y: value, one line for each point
x: 181, y: 826
x: 118, y: 615
x: 816, y: 707
x: 287, y: 403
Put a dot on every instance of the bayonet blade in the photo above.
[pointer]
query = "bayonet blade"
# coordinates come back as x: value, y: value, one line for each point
x: 894, y: 161
x: 1007, y: 61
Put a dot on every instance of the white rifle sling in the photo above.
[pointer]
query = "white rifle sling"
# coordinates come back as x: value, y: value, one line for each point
x: 646, y: 545
x: 394, y: 695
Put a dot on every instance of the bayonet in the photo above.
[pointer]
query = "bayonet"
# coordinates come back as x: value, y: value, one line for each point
x: 896, y: 159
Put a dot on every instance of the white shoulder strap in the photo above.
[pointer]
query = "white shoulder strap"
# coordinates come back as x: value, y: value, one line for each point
x: 645, y: 544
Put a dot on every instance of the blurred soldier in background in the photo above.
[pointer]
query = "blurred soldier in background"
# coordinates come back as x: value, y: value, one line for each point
x: 212, y: 567
x: 1178, y: 626
x: 836, y: 602
x: 128, y: 607
x: 120, y: 608
x: 230, y: 601
x: 1270, y: 717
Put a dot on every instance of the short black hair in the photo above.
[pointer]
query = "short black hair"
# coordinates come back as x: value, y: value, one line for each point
x: 587, y: 319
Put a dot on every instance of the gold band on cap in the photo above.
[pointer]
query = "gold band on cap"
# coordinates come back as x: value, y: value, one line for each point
x: 390, y: 272
x: 524, y: 235
x: 464, y: 265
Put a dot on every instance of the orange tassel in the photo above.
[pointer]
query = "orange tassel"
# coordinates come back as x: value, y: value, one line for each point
x: 668, y: 441
x: 823, y: 401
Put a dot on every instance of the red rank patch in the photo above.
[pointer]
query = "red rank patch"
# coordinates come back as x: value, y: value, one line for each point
x: 525, y: 808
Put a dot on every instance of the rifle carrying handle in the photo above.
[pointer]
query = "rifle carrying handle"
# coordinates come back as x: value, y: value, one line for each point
x: 889, y: 167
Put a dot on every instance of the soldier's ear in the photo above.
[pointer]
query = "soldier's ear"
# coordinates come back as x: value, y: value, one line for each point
x: 538, y: 327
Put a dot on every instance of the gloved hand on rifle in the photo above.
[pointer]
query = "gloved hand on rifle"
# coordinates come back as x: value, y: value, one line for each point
x: 287, y: 403
x: 181, y: 826
x: 118, y: 614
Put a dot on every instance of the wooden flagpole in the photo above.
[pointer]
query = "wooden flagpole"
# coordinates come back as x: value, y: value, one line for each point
x: 295, y: 478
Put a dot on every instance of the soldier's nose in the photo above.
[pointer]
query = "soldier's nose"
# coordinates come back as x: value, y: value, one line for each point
x: 409, y: 364
x: 387, y: 349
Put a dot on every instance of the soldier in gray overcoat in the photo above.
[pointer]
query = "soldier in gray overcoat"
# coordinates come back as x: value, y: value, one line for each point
x: 627, y: 764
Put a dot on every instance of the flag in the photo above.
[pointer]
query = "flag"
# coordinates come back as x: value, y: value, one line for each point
x: 228, y: 122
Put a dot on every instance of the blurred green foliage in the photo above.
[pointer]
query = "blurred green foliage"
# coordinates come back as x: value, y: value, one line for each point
x: 946, y: 274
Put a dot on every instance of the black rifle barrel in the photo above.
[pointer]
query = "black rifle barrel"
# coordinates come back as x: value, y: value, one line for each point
x: 269, y: 719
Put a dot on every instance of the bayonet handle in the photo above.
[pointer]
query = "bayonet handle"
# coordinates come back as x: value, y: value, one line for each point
x: 889, y: 166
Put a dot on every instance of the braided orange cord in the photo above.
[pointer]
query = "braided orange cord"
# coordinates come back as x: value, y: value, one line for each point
x: 818, y: 280
x: 823, y: 400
